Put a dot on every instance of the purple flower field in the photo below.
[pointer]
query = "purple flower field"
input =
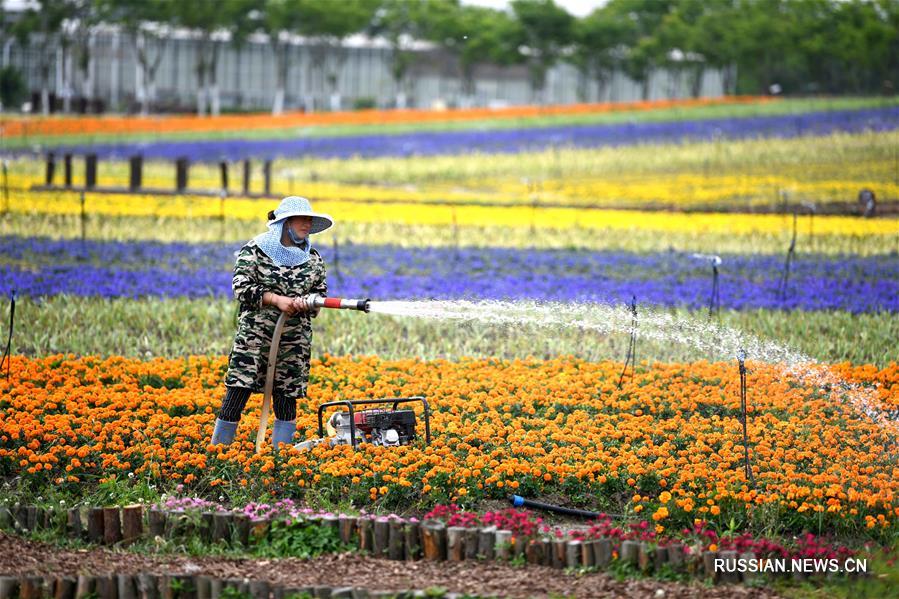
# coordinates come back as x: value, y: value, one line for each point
x: 510, y: 140
x: 41, y: 267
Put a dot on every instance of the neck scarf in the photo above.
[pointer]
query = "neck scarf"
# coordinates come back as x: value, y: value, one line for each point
x: 270, y: 243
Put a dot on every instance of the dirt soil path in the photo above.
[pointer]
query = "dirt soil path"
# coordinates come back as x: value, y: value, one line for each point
x: 21, y: 557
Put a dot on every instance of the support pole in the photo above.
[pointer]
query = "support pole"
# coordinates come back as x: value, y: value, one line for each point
x: 67, y: 170
x: 136, y: 172
x: 246, y: 177
x: 90, y: 171
x: 181, y: 173
x: 51, y: 169
x: 267, y: 177
x: 744, y: 413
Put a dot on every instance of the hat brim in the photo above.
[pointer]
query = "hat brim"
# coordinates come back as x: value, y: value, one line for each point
x: 320, y: 221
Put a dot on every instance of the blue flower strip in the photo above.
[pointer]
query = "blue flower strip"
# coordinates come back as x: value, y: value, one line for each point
x: 41, y: 267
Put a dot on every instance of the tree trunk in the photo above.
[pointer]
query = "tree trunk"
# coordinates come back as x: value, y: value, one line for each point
x: 602, y: 84
x: 147, y: 76
x: 151, y: 80
x: 44, y: 67
x: 538, y: 82
x: 86, y: 66
x: 66, y: 90
x: 728, y: 77
x: 201, y: 68
x: 315, y: 73
x: 581, y: 86
x: 469, y: 85
x: 150, y: 95
x: 280, y: 50
x: 674, y: 78
x: 278, y: 105
x: 212, y: 78
x: 215, y: 106
x: 696, y: 81
x: 45, y: 83
x: 140, y: 91
x: 201, y: 96
x: 91, y: 69
x: 339, y: 57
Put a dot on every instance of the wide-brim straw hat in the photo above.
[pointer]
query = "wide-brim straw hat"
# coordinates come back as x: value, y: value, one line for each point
x: 299, y: 206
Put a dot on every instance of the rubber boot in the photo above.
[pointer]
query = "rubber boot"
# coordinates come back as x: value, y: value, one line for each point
x: 283, y: 431
x: 224, y: 432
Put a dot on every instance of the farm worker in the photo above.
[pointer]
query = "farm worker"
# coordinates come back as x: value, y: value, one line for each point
x: 273, y: 273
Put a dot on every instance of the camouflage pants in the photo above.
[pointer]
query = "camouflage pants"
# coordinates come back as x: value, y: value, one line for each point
x: 236, y: 398
x: 248, y: 361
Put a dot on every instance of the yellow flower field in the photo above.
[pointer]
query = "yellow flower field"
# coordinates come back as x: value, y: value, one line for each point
x: 463, y: 215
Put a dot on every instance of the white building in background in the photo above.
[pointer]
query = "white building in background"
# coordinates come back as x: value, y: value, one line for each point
x: 337, y: 77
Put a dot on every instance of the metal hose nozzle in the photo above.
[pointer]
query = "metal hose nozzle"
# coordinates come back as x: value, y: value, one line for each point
x: 318, y: 301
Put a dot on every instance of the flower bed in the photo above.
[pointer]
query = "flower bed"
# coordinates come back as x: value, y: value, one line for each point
x: 507, y: 141
x: 42, y: 267
x: 670, y: 438
x: 170, y: 124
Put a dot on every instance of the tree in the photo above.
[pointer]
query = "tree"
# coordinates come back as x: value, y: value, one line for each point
x: 279, y: 20
x: 87, y: 15
x: 43, y: 24
x: 599, y: 45
x: 474, y: 35
x: 890, y: 11
x: 716, y: 38
x: 680, y: 45
x: 640, y: 21
x: 545, y: 29
x: 213, y: 22
x: 148, y: 25
x: 400, y: 22
x: 326, y: 24
x: 12, y: 87
x: 766, y: 45
x: 862, y: 40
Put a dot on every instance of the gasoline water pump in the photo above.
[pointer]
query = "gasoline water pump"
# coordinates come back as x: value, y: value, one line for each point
x: 379, y: 426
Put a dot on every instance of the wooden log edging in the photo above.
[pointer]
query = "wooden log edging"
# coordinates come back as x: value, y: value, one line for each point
x: 391, y: 537
x: 178, y: 586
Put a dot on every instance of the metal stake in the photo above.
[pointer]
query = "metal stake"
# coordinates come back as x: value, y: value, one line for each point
x: 631, y: 357
x: 741, y: 359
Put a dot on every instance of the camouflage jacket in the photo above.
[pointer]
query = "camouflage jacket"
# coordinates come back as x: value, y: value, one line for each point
x: 254, y: 274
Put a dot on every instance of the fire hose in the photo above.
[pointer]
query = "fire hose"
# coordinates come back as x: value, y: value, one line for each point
x: 315, y: 301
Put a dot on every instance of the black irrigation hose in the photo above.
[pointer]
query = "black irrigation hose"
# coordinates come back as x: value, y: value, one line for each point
x: 12, y: 318
x: 519, y: 501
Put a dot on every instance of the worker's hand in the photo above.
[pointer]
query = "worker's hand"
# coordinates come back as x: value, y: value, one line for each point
x: 285, y: 304
x: 301, y: 304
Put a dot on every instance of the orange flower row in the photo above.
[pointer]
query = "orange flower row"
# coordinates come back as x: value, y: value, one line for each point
x: 671, y: 438
x: 124, y: 125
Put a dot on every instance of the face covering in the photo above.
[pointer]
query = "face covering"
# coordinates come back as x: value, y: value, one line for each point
x: 282, y: 255
x: 299, y: 241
